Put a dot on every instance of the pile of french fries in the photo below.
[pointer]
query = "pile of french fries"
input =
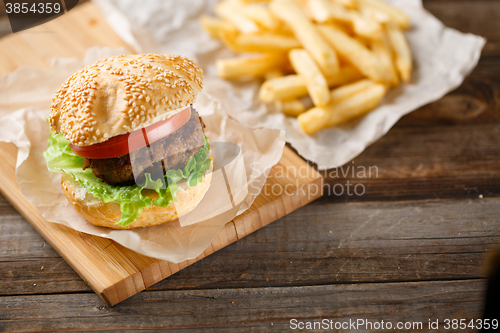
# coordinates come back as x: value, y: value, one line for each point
x: 322, y: 61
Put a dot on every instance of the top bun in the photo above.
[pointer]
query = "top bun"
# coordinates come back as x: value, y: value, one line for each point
x: 121, y: 94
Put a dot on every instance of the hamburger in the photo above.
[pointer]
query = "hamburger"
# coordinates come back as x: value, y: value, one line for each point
x: 129, y: 144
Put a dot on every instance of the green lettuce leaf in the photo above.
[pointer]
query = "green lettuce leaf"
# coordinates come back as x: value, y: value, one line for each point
x: 60, y: 158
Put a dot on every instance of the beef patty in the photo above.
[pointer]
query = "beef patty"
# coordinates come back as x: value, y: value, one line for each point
x: 173, y: 152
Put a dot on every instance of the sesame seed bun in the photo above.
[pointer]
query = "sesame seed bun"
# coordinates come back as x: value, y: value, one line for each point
x: 107, y: 214
x: 122, y: 94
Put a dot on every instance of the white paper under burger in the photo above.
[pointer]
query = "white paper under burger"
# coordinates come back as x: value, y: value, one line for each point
x: 25, y: 96
x: 442, y: 58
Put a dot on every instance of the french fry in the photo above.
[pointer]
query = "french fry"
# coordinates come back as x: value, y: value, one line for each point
x: 215, y: 26
x: 347, y: 74
x: 365, y: 27
x: 227, y: 39
x: 273, y: 75
x: 233, y: 14
x: 345, y: 91
x: 375, y: 15
x: 259, y: 14
x: 255, y: 66
x: 292, y: 107
x: 282, y: 88
x: 334, y: 114
x: 290, y: 12
x: 361, y: 24
x: 354, y: 47
x: 261, y: 42
x: 346, y: 3
x: 316, y: 83
x: 402, y: 51
x: 293, y: 86
x: 285, y: 30
x: 319, y: 10
x: 396, y: 15
x: 382, y: 49
x: 353, y: 51
x: 339, y: 12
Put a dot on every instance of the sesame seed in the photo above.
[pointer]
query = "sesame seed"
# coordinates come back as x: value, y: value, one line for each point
x: 73, y: 101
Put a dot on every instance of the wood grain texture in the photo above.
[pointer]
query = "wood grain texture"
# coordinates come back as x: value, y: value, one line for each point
x: 318, y: 244
x: 424, y: 163
x: 249, y: 310
x: 470, y: 16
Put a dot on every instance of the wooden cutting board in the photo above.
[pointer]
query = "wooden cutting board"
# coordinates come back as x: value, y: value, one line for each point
x: 112, y: 271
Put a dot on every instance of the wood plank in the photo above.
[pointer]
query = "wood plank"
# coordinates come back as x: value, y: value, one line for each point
x: 476, y: 101
x: 423, y: 163
x: 369, y: 242
x: 79, y: 29
x: 479, y: 17
x: 247, y: 310
x: 4, y: 26
x: 20, y: 241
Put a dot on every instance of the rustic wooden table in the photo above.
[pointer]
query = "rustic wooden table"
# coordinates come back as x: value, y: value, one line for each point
x: 412, y: 248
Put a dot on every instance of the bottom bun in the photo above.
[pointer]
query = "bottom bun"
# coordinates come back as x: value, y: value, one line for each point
x: 107, y: 214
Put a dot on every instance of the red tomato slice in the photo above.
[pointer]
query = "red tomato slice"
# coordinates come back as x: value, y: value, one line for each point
x: 125, y: 143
